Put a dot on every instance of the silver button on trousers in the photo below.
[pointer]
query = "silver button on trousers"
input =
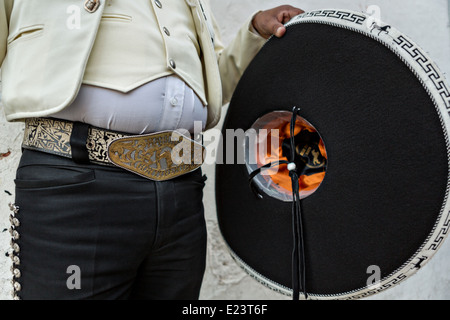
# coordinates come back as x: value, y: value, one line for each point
x: 96, y: 232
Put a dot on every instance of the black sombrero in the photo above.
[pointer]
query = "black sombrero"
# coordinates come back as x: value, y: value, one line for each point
x: 372, y: 119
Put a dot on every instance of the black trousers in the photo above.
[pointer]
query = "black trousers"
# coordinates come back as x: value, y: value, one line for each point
x: 97, y: 232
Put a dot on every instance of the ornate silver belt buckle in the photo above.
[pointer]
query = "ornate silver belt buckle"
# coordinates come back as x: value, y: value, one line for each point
x: 159, y: 157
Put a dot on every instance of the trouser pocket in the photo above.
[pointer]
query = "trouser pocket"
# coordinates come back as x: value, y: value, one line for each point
x: 56, y: 231
x: 52, y: 176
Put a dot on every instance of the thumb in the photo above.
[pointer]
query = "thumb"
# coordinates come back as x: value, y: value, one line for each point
x: 279, y: 30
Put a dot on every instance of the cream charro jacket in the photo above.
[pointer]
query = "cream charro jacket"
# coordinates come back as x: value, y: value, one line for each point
x: 43, y: 61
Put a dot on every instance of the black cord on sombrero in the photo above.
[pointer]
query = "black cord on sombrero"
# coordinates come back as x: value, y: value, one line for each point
x: 298, y: 253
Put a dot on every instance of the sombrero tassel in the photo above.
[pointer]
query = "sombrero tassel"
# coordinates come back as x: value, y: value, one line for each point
x: 298, y: 253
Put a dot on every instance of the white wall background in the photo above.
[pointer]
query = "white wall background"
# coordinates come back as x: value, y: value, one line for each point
x: 425, y: 21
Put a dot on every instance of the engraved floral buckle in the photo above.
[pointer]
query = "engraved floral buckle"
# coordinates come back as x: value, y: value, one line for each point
x: 159, y: 157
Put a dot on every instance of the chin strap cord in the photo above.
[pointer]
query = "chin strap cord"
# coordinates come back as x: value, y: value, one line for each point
x: 298, y: 252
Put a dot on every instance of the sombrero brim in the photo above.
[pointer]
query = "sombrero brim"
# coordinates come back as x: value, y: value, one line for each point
x: 381, y: 106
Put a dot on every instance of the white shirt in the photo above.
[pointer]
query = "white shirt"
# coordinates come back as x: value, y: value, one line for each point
x: 167, y: 103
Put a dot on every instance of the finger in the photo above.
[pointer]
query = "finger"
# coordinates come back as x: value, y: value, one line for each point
x: 271, y: 22
x: 284, y: 17
x: 288, y: 12
x: 292, y: 12
x: 278, y: 29
x: 297, y: 11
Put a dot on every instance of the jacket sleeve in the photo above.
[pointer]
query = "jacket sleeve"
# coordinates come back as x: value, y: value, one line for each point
x: 5, y: 12
x: 235, y: 57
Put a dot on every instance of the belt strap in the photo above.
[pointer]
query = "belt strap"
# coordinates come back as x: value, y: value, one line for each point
x: 54, y: 136
x: 78, y: 142
x: 160, y: 156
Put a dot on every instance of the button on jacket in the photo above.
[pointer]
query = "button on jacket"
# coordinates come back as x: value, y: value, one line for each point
x: 137, y: 35
x: 44, y: 60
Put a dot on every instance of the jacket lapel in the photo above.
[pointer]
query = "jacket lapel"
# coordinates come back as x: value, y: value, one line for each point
x: 201, y: 16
